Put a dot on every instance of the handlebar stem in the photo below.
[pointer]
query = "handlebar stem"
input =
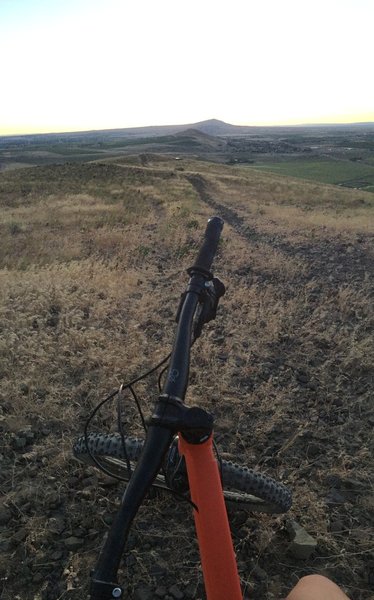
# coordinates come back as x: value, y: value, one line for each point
x: 195, y: 423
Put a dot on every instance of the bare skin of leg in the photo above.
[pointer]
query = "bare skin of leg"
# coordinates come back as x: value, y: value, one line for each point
x: 316, y: 587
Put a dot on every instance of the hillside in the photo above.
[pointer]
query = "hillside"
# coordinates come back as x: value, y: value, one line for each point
x: 213, y: 127
x: 92, y: 263
x: 343, y: 155
x: 200, y: 136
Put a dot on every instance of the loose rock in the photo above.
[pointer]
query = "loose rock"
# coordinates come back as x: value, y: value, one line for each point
x: 190, y: 591
x: 176, y: 593
x: 5, y: 515
x: 73, y: 543
x: 303, y: 544
x: 259, y: 573
x: 336, y: 526
x: 143, y: 593
x: 20, y: 536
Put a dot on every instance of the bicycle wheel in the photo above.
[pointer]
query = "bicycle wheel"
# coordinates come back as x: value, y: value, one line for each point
x: 108, y: 451
x: 242, y: 487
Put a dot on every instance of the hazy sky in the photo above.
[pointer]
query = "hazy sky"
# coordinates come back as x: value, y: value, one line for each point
x: 91, y: 64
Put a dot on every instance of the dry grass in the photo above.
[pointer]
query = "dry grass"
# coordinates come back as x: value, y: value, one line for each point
x: 92, y: 265
x: 294, y: 208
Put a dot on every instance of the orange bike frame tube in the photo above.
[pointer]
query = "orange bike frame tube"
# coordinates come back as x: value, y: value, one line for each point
x: 218, y: 559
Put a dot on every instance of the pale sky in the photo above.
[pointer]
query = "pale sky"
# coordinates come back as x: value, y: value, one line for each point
x: 72, y: 65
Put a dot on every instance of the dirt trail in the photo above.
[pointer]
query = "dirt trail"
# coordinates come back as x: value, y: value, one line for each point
x: 335, y: 260
x: 287, y: 370
x: 319, y: 366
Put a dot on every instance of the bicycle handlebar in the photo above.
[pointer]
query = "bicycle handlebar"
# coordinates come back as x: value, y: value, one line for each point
x: 208, y: 250
x: 160, y: 432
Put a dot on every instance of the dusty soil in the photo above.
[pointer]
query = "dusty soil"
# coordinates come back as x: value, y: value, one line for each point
x: 286, y: 369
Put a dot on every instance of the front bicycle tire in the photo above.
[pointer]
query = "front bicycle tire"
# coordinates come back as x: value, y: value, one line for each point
x: 107, y: 450
x: 242, y: 487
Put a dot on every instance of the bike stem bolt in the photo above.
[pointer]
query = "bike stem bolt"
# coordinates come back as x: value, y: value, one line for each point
x: 117, y: 593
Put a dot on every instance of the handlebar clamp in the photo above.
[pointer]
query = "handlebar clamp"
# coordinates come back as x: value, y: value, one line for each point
x: 194, y: 423
x: 209, y: 294
x: 213, y: 291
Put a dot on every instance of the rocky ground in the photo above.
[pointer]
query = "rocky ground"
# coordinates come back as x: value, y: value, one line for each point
x: 286, y: 369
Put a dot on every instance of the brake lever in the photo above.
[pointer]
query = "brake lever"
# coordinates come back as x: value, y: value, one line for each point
x: 213, y: 290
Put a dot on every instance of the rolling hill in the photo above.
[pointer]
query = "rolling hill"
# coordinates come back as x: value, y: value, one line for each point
x: 92, y: 263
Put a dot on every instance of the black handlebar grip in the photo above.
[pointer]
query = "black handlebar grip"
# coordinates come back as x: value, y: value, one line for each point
x: 208, y: 250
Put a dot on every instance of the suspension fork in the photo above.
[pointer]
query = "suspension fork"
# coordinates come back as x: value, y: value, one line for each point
x: 218, y: 559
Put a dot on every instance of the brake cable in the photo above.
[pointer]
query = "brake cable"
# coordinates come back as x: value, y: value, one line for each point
x: 108, y: 399
x: 210, y: 309
x: 122, y: 433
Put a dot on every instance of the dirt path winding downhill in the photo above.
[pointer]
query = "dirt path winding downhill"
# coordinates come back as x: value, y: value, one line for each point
x: 334, y: 260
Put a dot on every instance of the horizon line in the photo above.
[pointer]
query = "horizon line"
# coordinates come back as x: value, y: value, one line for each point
x: 257, y: 126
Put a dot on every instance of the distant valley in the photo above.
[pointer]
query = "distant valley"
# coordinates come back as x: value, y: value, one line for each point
x: 338, y: 154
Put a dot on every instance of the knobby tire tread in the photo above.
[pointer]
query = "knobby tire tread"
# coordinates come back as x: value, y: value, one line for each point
x: 243, y: 487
